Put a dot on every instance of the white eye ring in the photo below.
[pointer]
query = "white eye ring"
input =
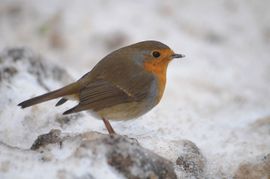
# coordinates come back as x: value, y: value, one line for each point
x: 155, y: 54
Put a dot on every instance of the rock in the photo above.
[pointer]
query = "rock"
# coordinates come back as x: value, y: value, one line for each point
x: 254, y: 170
x: 121, y: 153
x: 133, y: 161
x: 52, y: 137
x: 262, y: 126
x: 191, y: 160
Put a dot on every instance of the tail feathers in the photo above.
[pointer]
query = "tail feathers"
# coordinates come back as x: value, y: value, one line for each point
x: 61, y: 101
x: 72, y: 110
x: 67, y: 90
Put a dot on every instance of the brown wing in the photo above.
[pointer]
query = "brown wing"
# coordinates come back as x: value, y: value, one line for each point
x: 101, y: 94
x: 116, y: 79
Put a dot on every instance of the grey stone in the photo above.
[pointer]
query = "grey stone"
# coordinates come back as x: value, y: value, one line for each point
x: 52, y: 137
x: 191, y: 160
x: 259, y: 168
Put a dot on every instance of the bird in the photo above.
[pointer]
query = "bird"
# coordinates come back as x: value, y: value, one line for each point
x: 125, y: 84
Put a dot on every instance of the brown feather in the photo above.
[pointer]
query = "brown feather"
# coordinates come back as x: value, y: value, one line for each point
x: 100, y: 94
x: 67, y: 90
x: 108, y: 90
x: 61, y: 101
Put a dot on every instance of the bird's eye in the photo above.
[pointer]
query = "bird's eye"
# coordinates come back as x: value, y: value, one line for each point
x: 155, y: 54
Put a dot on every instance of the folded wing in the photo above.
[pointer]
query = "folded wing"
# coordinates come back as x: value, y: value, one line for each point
x: 102, y: 94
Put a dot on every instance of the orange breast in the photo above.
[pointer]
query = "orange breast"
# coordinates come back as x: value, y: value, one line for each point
x: 159, y: 68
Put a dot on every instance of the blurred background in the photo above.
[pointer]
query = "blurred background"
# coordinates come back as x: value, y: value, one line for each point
x: 79, y: 33
x: 218, y: 96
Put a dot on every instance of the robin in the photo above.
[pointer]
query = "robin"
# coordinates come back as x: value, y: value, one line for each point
x: 125, y: 84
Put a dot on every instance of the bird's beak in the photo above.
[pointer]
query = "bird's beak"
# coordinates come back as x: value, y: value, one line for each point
x: 177, y: 55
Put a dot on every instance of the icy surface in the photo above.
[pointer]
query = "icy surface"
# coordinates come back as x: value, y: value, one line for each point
x: 218, y: 97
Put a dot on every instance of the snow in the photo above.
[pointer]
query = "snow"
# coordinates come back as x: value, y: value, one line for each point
x: 35, y: 165
x: 215, y: 97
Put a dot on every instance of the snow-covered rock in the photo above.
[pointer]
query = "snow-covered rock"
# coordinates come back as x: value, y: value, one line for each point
x: 191, y: 160
x: 258, y: 167
x: 89, y: 154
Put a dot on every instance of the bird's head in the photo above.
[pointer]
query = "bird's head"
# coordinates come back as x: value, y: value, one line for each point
x: 154, y: 56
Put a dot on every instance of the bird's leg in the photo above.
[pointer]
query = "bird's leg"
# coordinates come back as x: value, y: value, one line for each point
x: 108, y: 126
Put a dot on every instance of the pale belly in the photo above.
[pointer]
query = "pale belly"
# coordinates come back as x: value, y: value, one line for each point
x: 125, y: 111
